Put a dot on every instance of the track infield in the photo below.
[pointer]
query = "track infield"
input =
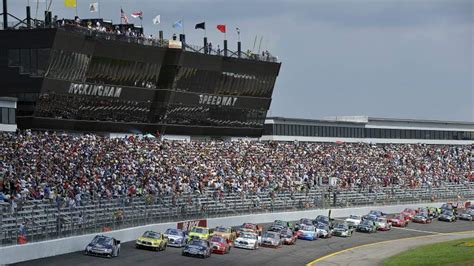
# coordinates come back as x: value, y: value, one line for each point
x: 456, y: 252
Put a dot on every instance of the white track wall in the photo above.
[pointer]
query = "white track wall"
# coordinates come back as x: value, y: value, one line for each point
x: 31, y: 251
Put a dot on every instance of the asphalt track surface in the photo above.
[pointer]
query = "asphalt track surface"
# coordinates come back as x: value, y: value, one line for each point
x: 300, y: 254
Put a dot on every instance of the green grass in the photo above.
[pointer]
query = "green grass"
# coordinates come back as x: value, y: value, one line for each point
x: 446, y: 253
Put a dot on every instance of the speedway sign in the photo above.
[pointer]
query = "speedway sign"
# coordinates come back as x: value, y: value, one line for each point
x: 187, y: 225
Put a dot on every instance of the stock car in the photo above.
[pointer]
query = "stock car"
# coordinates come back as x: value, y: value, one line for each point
x: 354, y: 220
x: 343, y: 229
x: 103, y: 246
x: 367, y: 226
x: 467, y: 215
x: 220, y: 244
x: 447, y: 216
x: 308, y: 232
x: 383, y: 224
x: 276, y: 228
x: 271, y: 239
x: 303, y: 221
x: 247, y: 240
x: 408, y: 213
x: 176, y: 237
x: 324, y: 230
x: 152, y: 240
x: 283, y: 223
x: 198, y: 232
x: 197, y: 248
x: 288, y: 236
x: 322, y: 219
x: 422, y: 218
x: 250, y: 227
x: 373, y: 215
x: 399, y: 221
x: 226, y: 232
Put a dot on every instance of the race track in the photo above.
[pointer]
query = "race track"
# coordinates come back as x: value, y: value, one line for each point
x: 299, y: 254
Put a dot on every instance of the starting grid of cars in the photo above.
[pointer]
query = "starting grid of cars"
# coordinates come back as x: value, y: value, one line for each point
x: 203, y: 241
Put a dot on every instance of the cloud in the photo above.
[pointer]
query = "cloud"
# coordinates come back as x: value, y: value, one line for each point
x: 411, y: 58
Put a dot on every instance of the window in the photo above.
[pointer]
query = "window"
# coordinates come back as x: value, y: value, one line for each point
x: 11, y: 116
x: 4, y: 115
x: 14, y: 57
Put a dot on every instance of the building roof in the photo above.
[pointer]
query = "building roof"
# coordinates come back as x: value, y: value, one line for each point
x: 377, y: 122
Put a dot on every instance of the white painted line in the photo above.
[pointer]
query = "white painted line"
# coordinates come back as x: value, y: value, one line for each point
x: 416, y: 230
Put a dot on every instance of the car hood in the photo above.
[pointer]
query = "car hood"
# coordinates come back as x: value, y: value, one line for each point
x: 252, y: 241
x: 153, y: 240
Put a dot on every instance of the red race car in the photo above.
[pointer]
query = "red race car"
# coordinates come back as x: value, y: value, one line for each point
x: 408, y: 213
x: 398, y: 221
x: 250, y: 227
x: 220, y: 244
x: 289, y: 238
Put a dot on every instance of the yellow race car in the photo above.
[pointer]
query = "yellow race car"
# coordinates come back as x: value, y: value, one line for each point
x: 226, y: 232
x: 198, y: 232
x: 152, y: 240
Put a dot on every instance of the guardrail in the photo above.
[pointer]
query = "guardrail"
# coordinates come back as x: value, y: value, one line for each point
x: 44, y: 220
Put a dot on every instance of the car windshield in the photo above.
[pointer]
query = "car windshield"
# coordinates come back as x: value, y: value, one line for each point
x: 102, y: 240
x: 321, y: 226
x: 305, y: 221
x: 354, y: 217
x: 249, y: 226
x: 381, y: 220
x: 219, y: 239
x: 173, y: 232
x: 367, y: 222
x: 150, y: 234
x: 222, y: 230
x: 199, y: 230
x: 287, y: 233
x: 307, y: 228
x: 322, y: 218
x: 447, y: 213
x: 279, y: 222
x: 340, y: 226
x: 248, y: 236
x: 270, y: 235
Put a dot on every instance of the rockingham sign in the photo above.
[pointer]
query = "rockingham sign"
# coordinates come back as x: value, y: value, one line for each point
x: 95, y: 90
x: 217, y: 100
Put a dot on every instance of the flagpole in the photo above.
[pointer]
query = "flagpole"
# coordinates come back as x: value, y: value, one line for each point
x: 183, y: 24
x: 98, y: 3
x: 76, y: 7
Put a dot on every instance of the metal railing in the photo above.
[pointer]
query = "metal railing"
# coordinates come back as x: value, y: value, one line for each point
x: 50, y: 219
x: 164, y: 43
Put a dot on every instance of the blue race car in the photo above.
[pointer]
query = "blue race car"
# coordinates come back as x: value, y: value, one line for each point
x: 198, y: 248
x: 176, y: 237
x: 308, y: 232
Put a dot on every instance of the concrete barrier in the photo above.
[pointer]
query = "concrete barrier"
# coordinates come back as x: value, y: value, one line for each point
x: 31, y: 251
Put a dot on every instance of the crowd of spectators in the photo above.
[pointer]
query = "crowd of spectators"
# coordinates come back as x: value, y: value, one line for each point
x: 42, y: 165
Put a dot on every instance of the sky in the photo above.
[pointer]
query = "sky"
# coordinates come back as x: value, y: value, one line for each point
x: 399, y: 59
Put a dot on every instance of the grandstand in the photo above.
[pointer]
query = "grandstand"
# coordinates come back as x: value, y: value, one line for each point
x: 55, y: 185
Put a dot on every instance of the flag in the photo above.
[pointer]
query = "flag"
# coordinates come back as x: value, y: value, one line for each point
x: 94, y: 7
x: 157, y: 20
x: 138, y: 14
x: 178, y: 24
x: 123, y: 17
x: 221, y: 28
x: 201, y: 25
x: 70, y: 3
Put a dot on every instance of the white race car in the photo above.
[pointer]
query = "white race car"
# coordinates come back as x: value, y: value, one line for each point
x: 354, y: 220
x: 247, y: 240
x: 324, y: 230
